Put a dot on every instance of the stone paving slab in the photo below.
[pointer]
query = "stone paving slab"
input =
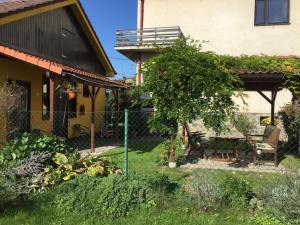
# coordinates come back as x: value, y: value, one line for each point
x: 98, y: 150
x: 246, y: 167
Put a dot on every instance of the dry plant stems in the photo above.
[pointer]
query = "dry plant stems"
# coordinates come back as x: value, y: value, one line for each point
x: 10, y: 100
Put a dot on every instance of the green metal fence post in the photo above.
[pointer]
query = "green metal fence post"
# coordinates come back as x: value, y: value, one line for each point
x: 126, y: 144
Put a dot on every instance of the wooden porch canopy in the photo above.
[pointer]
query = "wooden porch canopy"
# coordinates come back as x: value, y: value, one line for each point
x: 62, y: 72
x: 263, y: 81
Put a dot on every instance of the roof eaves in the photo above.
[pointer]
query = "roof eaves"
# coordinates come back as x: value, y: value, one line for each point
x: 13, y: 9
x: 56, y: 67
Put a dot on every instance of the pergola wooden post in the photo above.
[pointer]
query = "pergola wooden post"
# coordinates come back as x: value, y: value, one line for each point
x: 272, y: 102
x: 117, y: 105
x: 51, y: 111
x: 51, y: 98
x: 93, y: 96
x: 259, y: 81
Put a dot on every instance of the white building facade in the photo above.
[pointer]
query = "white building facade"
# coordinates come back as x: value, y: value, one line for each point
x: 233, y: 27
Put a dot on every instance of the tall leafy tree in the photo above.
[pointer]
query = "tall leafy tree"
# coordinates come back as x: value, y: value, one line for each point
x: 185, y: 84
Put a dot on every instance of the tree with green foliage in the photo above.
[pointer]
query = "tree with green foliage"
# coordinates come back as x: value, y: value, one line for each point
x: 185, y: 84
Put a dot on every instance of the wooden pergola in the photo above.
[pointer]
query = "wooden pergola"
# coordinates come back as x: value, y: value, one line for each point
x: 261, y: 82
x: 96, y: 84
x: 60, y: 73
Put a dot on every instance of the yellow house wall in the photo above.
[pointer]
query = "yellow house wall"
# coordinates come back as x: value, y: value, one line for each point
x: 10, y: 69
x: 19, y: 71
x: 85, y: 120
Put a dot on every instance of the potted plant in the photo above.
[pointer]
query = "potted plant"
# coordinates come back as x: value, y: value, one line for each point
x: 72, y: 90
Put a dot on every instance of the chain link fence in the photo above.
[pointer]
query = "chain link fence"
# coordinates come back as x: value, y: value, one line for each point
x: 196, y: 146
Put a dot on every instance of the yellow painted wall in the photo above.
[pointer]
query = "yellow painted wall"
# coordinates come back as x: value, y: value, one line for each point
x: 14, y: 70
x: 85, y: 120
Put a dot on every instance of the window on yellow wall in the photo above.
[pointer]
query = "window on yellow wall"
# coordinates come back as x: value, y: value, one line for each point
x: 46, y: 98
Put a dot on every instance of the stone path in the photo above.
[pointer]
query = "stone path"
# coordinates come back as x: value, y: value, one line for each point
x: 242, y: 166
x: 98, y: 151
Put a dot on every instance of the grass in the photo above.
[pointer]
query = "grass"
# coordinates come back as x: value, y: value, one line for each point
x: 169, y: 216
x: 144, y: 158
x: 291, y: 162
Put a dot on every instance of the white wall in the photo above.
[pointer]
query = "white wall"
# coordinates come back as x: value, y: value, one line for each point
x: 228, y: 26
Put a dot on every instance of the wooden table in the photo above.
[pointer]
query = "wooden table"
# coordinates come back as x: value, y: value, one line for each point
x: 224, y: 155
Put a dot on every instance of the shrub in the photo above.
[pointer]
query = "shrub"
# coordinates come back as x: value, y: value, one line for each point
x: 244, y: 124
x: 236, y: 191
x: 205, y: 191
x: 22, y: 177
x: 10, y: 105
x: 265, y: 220
x: 26, y: 143
x: 283, y: 200
x: 111, y: 196
x: 160, y: 183
x: 290, y: 117
x: 66, y: 167
x: 211, y: 191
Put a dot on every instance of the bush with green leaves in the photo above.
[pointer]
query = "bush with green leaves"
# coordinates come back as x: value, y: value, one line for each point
x: 185, y: 84
x: 283, y: 200
x: 265, y: 220
x: 237, y: 192
x: 26, y: 143
x: 66, y: 167
x: 210, y: 191
x: 111, y: 196
x: 290, y: 117
x: 244, y: 124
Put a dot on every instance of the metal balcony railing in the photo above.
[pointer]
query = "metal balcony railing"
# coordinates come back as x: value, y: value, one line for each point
x: 147, y: 36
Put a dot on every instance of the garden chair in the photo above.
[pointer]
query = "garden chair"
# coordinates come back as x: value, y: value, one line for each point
x: 194, y: 140
x: 80, y: 130
x: 267, y: 144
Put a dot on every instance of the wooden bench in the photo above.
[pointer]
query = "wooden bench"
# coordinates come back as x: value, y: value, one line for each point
x: 267, y: 143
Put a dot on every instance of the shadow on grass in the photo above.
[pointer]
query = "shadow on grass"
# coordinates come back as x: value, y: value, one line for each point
x: 12, y: 206
x: 137, y: 146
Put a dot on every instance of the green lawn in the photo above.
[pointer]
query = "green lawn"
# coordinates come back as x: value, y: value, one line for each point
x: 144, y: 158
x: 170, y: 216
x: 291, y: 162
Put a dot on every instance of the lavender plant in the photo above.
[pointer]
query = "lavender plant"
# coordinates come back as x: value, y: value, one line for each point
x: 23, y: 177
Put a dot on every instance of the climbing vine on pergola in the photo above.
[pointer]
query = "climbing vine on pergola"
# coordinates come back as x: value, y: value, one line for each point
x: 186, y: 83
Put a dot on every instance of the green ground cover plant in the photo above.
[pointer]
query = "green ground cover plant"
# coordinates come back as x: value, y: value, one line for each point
x: 163, y: 199
x: 282, y: 200
x: 26, y: 143
x: 291, y: 162
x: 112, y: 196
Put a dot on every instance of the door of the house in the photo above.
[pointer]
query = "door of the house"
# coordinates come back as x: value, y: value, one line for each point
x: 60, y: 126
x: 19, y: 119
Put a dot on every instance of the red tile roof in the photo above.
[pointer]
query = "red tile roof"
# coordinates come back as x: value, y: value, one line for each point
x: 13, y: 6
x: 58, y: 68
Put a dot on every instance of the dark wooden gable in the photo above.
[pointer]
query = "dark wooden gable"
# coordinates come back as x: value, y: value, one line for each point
x: 55, y: 35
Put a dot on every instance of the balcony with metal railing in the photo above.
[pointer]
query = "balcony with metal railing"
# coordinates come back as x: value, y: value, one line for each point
x: 134, y: 41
